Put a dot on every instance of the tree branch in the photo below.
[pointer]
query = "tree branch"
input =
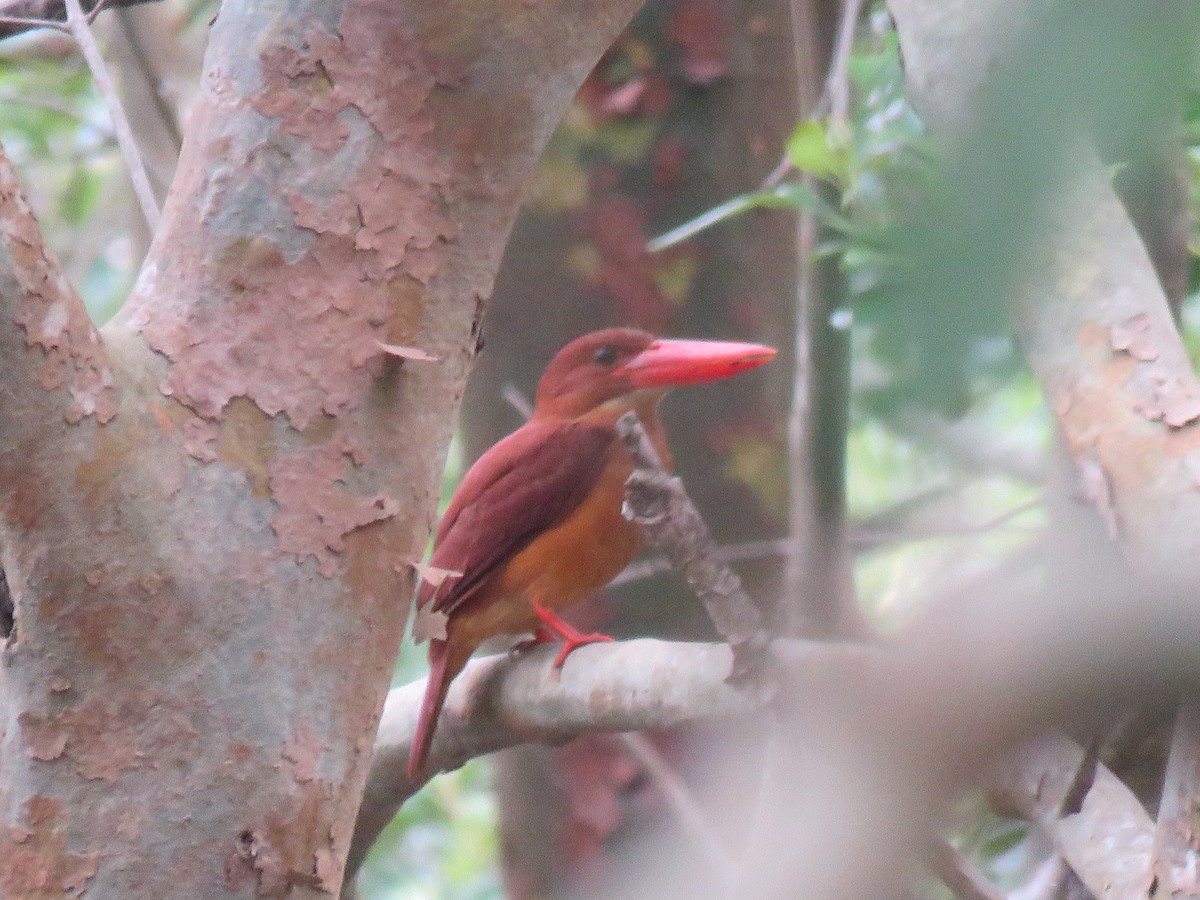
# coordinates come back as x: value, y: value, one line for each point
x: 1094, y: 322
x: 502, y: 701
x: 19, y: 16
x: 1177, y: 833
x: 52, y: 356
x: 874, y: 758
x: 1107, y: 843
x: 818, y: 586
x: 78, y: 23
x: 348, y: 180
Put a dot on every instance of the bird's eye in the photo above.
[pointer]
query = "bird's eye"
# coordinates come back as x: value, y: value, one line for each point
x: 606, y: 356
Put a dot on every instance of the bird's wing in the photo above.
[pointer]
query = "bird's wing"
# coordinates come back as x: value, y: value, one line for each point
x: 523, y: 486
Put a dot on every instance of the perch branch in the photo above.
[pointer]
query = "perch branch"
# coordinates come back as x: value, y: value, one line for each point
x: 502, y: 701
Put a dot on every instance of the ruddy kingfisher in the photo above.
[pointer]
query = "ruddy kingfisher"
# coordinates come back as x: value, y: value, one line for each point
x: 536, y: 523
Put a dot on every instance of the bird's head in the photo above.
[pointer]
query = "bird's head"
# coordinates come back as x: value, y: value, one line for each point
x: 618, y: 363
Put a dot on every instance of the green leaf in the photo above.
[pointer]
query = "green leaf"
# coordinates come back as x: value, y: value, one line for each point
x: 810, y: 150
x: 789, y: 195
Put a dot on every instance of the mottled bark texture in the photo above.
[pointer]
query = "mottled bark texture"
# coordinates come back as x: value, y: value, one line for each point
x: 205, y: 513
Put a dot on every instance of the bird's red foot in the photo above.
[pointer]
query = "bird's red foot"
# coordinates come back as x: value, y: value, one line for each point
x: 572, y: 639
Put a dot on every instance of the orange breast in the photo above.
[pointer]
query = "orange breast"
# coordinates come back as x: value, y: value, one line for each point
x: 563, y: 565
x: 579, y: 556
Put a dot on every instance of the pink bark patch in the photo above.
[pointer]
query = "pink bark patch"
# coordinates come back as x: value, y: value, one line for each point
x: 316, y: 510
x: 36, y: 860
x: 103, y: 737
x: 44, y: 739
x: 1175, y: 401
x: 327, y: 870
x: 302, y: 752
x: 1133, y: 337
x: 302, y: 335
x: 200, y: 438
x: 52, y: 314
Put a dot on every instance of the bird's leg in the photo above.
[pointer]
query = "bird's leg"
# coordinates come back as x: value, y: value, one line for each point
x: 571, y: 638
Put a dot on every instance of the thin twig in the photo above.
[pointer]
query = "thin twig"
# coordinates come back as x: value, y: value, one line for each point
x: 741, y: 552
x: 7, y: 609
x: 837, y: 84
x: 681, y: 801
x: 1082, y: 780
x: 95, y: 11
x: 77, y: 22
x: 835, y: 97
x: 20, y: 16
x: 865, y: 536
x: 516, y: 398
x: 154, y: 81
x: 25, y: 24
x: 1107, y: 843
x: 802, y: 492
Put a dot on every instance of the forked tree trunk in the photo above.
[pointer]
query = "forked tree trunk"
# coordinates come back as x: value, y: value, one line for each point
x: 207, y: 509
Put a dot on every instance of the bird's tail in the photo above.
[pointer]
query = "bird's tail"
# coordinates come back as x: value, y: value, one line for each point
x: 445, y: 661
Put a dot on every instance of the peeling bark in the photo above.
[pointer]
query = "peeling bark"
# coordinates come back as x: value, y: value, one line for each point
x: 206, y: 516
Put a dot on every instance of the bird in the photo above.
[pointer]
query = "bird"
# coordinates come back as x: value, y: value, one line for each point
x: 535, y: 525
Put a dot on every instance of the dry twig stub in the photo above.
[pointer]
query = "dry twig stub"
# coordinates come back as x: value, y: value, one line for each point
x: 657, y: 502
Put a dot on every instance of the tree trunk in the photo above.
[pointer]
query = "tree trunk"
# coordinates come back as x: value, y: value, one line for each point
x: 207, y: 510
x: 710, y: 85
